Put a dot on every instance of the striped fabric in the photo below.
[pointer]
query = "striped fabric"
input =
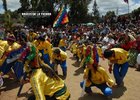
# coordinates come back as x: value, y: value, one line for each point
x: 61, y: 18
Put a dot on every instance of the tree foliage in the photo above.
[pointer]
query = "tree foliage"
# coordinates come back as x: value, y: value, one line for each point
x: 110, y: 14
x: 25, y: 5
x: 7, y: 16
x: 79, y: 11
x: 136, y: 13
x: 7, y: 20
x: 4, y: 5
x: 95, y: 12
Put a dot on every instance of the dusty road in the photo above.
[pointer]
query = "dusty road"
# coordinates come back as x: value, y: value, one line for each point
x: 130, y: 91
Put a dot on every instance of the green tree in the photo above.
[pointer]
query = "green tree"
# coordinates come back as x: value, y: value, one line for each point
x: 4, y: 5
x: 7, y: 20
x: 95, y: 12
x: 45, y: 5
x: 34, y: 4
x: 79, y: 11
x: 136, y: 13
x: 110, y: 14
x: 7, y: 16
x: 25, y: 5
x: 110, y: 17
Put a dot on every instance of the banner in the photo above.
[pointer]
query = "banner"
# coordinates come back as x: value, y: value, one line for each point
x: 61, y: 18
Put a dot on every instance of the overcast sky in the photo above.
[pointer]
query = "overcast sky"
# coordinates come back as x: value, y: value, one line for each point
x: 103, y: 5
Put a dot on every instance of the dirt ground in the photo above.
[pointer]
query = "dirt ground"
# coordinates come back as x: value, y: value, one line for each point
x: 130, y: 91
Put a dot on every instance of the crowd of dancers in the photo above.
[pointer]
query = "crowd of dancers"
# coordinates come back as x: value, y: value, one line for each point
x: 34, y: 56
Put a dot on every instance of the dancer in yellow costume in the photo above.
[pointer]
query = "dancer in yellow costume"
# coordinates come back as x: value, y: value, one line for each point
x: 45, y: 47
x: 62, y: 43
x: 96, y: 75
x: 59, y: 57
x: 73, y: 48
x: 9, y: 52
x: 119, y: 60
x: 81, y: 51
x: 43, y: 79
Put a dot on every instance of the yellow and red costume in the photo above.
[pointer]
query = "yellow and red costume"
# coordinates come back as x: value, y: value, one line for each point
x: 41, y: 83
x: 95, y: 75
x: 99, y: 77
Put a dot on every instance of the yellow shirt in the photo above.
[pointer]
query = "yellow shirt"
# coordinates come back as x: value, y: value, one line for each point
x: 3, y: 47
x: 43, y: 85
x: 62, y: 57
x: 34, y: 35
x: 81, y: 51
x: 12, y: 47
x: 120, y: 55
x: 99, y: 77
x: 35, y: 42
x: 99, y: 50
x: 62, y: 43
x: 73, y: 48
x: 46, y: 46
